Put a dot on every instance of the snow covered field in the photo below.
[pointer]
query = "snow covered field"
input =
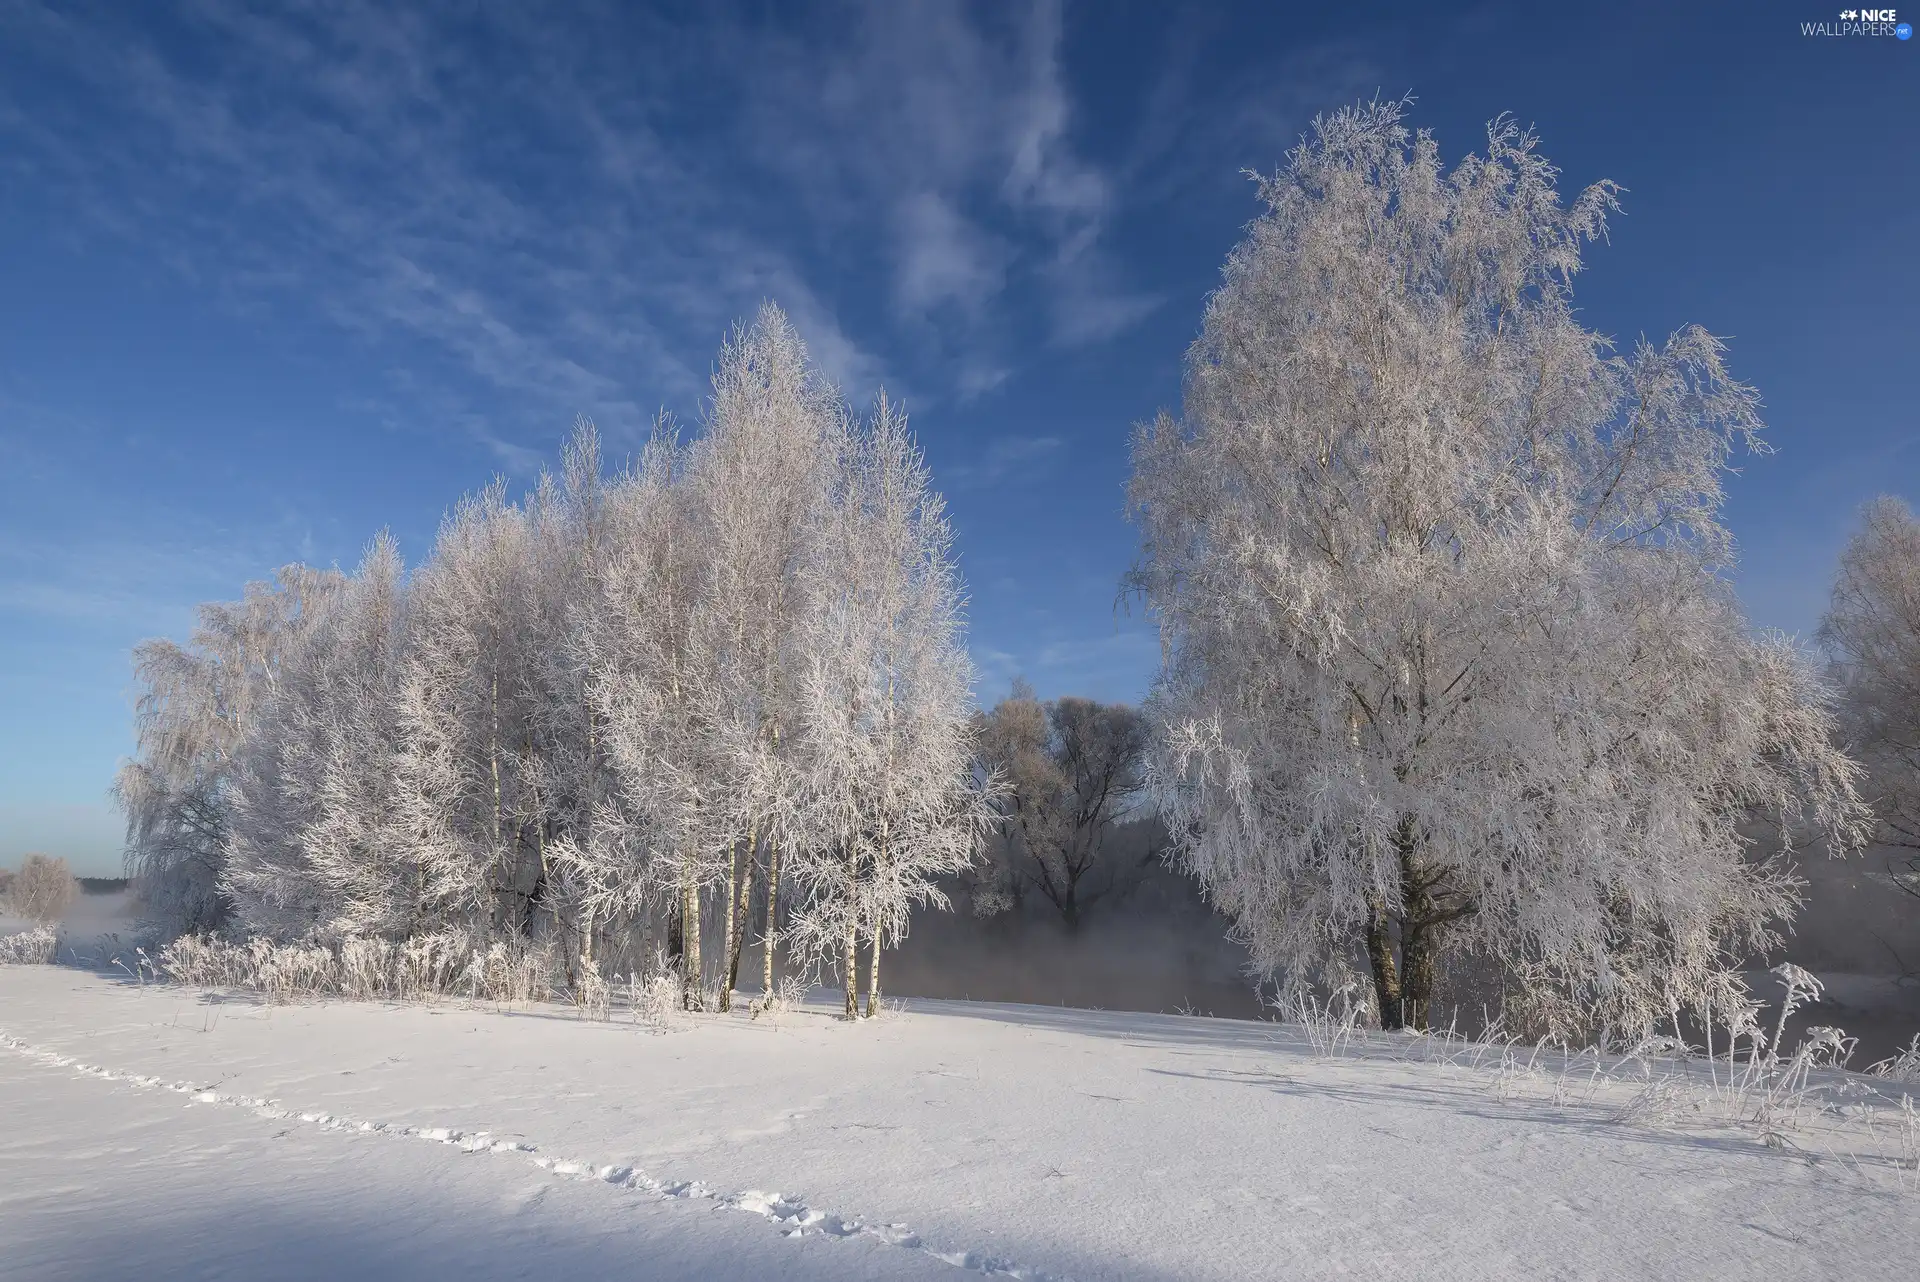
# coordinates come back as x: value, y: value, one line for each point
x: 164, y: 1132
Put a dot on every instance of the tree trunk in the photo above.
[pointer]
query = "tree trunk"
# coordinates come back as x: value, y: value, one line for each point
x: 1419, y: 934
x: 773, y: 902
x: 512, y: 875
x: 1386, y: 976
x: 727, y: 956
x: 1419, y: 963
x: 690, y: 995
x: 873, y: 980
x: 853, y: 933
x: 737, y: 917
x: 851, y: 963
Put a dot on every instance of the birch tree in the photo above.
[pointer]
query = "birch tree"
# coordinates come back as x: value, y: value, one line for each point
x: 598, y: 706
x: 1450, y: 661
x: 564, y: 763
x: 43, y: 890
x: 655, y: 692
x: 892, y: 803
x: 759, y: 477
x: 199, y: 705
x: 472, y: 707
x: 315, y: 849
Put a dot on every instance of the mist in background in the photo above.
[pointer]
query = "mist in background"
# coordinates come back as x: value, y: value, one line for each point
x: 1156, y: 945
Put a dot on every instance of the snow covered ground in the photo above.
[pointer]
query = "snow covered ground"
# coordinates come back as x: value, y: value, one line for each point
x: 165, y: 1132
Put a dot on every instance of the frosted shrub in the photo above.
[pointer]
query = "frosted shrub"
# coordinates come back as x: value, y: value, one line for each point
x: 366, y: 968
x: 29, y: 948
x: 654, y: 995
x: 593, y: 994
x: 286, y: 972
x: 432, y: 964
x: 203, y: 961
x: 363, y: 969
x: 788, y: 994
x: 656, y: 1002
x: 513, y: 973
x: 1330, y: 1025
x: 1904, y: 1067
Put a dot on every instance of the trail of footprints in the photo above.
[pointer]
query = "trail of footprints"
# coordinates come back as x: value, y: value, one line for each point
x: 793, y: 1217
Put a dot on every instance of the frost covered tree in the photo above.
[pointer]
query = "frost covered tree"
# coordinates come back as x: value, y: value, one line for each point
x: 1451, y: 665
x: 599, y: 714
x: 198, y: 706
x: 318, y: 846
x: 503, y: 757
x: 759, y: 477
x: 473, y: 703
x: 611, y: 858
x: 891, y: 802
x: 566, y: 767
x: 1071, y: 767
x: 655, y: 693
x: 43, y: 890
x: 1872, y: 629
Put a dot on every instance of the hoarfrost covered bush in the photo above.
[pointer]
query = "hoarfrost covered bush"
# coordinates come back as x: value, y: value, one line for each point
x: 1452, y: 665
x: 787, y: 995
x: 1744, y: 1079
x: 43, y: 889
x: 415, y: 969
x: 720, y: 688
x: 1902, y: 1067
x: 34, y: 947
x: 654, y: 995
x: 593, y: 994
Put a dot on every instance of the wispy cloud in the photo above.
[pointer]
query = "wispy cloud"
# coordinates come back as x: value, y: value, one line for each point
x: 82, y: 557
x: 144, y: 584
x: 1010, y: 460
x: 943, y: 258
x: 482, y: 198
x: 569, y: 237
x: 1113, y: 665
x: 959, y: 127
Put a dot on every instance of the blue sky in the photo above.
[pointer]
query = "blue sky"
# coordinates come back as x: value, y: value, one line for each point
x: 273, y: 277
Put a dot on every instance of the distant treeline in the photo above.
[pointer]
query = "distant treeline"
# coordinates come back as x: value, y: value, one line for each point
x: 101, y: 885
